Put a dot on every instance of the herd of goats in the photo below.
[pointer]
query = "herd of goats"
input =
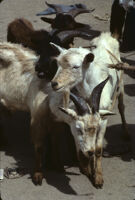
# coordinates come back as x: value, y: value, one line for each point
x: 41, y: 72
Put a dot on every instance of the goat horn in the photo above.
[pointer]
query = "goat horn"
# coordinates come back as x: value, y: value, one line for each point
x: 48, y: 20
x: 65, y: 22
x: 66, y: 35
x: 96, y: 94
x: 80, y: 103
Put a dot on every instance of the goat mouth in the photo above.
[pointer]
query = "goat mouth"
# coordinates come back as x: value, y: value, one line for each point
x: 58, y: 89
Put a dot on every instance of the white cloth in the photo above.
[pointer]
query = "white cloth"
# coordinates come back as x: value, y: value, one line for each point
x: 126, y: 4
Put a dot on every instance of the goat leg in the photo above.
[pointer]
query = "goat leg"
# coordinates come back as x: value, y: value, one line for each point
x: 37, y: 135
x: 55, y: 144
x: 38, y: 174
x: 84, y: 164
x: 66, y: 98
x: 121, y: 108
x: 98, y: 177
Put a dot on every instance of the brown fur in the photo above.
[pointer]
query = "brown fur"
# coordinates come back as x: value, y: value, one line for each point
x: 20, y: 27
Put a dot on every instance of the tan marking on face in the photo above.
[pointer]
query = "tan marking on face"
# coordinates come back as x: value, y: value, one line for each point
x: 90, y: 124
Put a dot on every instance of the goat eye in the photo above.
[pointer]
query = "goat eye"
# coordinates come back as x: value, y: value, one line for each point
x: 75, y: 67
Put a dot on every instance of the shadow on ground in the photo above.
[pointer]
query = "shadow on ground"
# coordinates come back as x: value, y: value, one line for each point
x: 131, y: 62
x: 130, y: 89
x: 16, y: 143
x: 117, y: 145
x: 19, y: 147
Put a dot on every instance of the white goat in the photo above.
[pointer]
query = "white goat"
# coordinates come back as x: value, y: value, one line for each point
x: 75, y: 70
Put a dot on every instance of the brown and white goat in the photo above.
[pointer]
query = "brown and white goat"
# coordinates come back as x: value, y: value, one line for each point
x: 74, y: 70
x: 21, y: 89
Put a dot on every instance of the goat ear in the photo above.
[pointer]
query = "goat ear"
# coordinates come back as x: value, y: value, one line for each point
x: 35, y: 60
x: 88, y: 58
x: 69, y: 112
x: 56, y: 47
x: 106, y: 112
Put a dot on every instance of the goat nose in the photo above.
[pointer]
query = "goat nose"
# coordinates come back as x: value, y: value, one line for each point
x: 54, y: 84
x: 90, y: 153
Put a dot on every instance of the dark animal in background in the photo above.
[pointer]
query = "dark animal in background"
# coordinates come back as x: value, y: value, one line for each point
x: 22, y: 31
x: 122, y: 23
x: 63, y: 8
x: 65, y: 15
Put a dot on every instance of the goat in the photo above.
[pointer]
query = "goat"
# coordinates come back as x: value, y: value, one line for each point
x: 21, y: 89
x: 21, y: 31
x: 122, y: 23
x: 64, y: 19
x: 74, y: 71
x: 65, y: 15
x: 83, y: 121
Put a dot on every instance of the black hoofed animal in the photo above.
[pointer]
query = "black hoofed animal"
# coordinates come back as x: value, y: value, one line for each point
x: 22, y: 31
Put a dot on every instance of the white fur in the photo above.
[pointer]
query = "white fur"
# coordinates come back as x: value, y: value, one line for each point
x: 92, y: 75
x: 99, y: 71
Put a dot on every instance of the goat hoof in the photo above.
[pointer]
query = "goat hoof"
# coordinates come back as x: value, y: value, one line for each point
x: 98, y: 182
x: 37, y: 178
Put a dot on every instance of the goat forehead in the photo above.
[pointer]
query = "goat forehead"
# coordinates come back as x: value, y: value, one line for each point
x: 70, y: 60
x: 90, y: 121
x: 72, y: 57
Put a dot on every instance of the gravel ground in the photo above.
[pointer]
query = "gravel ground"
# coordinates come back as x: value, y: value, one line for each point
x: 119, y: 172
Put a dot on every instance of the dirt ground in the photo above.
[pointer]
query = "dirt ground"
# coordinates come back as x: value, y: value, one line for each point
x: 118, y: 171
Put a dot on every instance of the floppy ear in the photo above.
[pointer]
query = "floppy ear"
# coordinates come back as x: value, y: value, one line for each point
x: 88, y: 59
x: 69, y: 112
x: 106, y: 112
x: 57, y: 47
